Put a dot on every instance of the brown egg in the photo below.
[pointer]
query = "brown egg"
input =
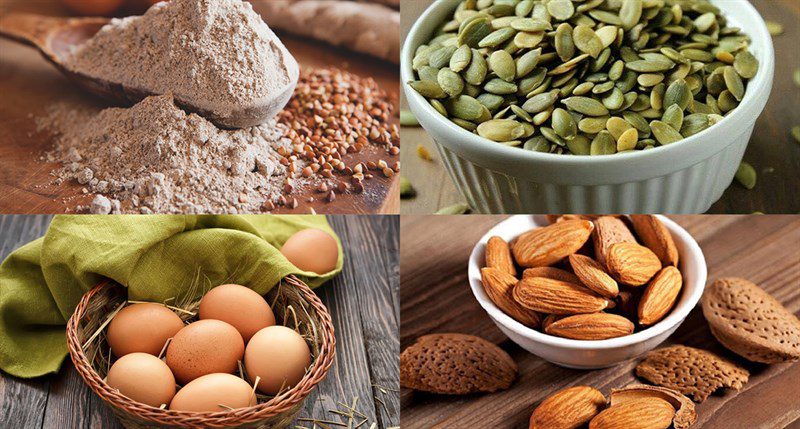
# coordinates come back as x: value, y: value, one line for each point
x: 143, y: 378
x: 279, y: 356
x: 204, y: 347
x: 210, y: 391
x: 240, y: 306
x: 142, y: 328
x: 312, y: 250
x: 93, y: 7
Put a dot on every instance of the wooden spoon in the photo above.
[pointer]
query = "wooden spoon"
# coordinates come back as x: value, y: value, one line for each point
x: 55, y: 37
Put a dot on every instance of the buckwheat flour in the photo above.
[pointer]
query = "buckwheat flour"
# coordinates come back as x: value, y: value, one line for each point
x: 216, y: 54
x: 154, y: 157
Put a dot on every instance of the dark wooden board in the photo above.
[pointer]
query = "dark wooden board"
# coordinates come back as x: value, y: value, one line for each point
x: 362, y: 302
x: 28, y: 85
x: 435, y: 297
x: 772, y: 151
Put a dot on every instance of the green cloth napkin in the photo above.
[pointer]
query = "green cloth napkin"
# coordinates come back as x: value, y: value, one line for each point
x: 156, y: 257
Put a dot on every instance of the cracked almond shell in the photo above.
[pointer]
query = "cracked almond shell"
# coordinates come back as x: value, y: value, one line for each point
x: 685, y: 414
x: 750, y: 322
x: 568, y: 408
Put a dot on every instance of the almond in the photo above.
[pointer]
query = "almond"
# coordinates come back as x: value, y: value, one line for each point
x: 595, y: 326
x: 655, y: 235
x: 660, y: 295
x: 593, y: 276
x: 750, y: 322
x: 685, y: 416
x: 551, y: 273
x: 557, y: 297
x: 631, y: 263
x: 498, y: 255
x: 455, y: 364
x: 568, y: 408
x: 640, y: 413
x: 549, y: 319
x: 499, y: 286
x: 609, y: 230
x: 550, y: 244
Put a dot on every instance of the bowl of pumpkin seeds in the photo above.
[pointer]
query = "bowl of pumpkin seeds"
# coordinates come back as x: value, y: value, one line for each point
x: 589, y: 106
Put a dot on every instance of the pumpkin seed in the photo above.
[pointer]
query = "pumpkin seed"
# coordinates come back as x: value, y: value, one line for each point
x: 628, y: 140
x: 407, y: 119
x: 664, y: 133
x: 406, y: 190
x: 616, y: 126
x: 695, y: 123
x: 561, y: 10
x: 587, y: 41
x: 586, y: 105
x: 565, y: 46
x: 473, y: 32
x: 455, y: 209
x: 734, y: 83
x: 502, y: 64
x: 450, y: 82
x: 796, y: 133
x: 501, y: 130
x: 673, y: 117
x: 461, y: 58
x: 746, y: 175
x: 603, y: 144
x: 580, y: 145
x: 428, y: 89
x: 527, y: 62
x: 436, y: 104
x: 441, y: 57
x: 630, y: 13
x: 564, y: 124
x: 774, y: 28
x: 466, y: 108
x: 797, y: 77
x: 537, y: 144
x: 540, y: 102
x: 678, y: 93
x: 745, y: 64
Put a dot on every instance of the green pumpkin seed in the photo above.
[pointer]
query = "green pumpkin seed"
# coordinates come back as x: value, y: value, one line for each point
x: 587, y: 41
x: 704, y: 22
x: 477, y: 70
x: 501, y: 130
x: 540, y: 102
x: 450, y: 82
x: 455, y: 209
x: 616, y: 126
x: 530, y: 25
x: 406, y: 190
x: 580, y: 145
x: 475, y: 31
x: 565, y: 46
x: 664, y: 133
x: 650, y: 79
x: 774, y: 28
x: 491, y: 101
x: 727, y: 101
x: 603, y: 144
x: 461, y: 58
x: 796, y: 133
x: 497, y: 37
x: 746, y: 175
x: 564, y: 124
x: 630, y: 13
x: 796, y: 77
x: 467, y: 125
x: 650, y: 66
x: 502, y: 64
x: 746, y: 64
x: 614, y: 100
x: 586, y: 105
x: 428, y: 89
x: 678, y: 93
x: 673, y: 117
x: 561, y: 10
x: 527, y: 62
x: 552, y: 136
x: 466, y: 108
x: 537, y: 144
x: 407, y: 119
x: 628, y: 140
x: 441, y: 57
x: 734, y: 83
x: 694, y: 124
x: 436, y: 104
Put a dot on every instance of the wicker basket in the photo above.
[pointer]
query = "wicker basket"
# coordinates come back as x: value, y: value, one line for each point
x: 91, y: 357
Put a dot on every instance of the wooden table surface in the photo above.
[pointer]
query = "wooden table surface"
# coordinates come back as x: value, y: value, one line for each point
x: 29, y: 84
x: 435, y: 297
x: 363, y: 304
x: 772, y: 151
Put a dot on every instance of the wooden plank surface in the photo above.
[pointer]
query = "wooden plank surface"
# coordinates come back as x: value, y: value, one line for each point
x: 772, y: 151
x: 28, y: 85
x: 362, y: 302
x: 436, y: 297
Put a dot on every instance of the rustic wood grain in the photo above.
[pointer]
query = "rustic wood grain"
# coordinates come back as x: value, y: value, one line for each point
x: 29, y: 85
x: 362, y: 302
x: 772, y: 151
x: 435, y: 297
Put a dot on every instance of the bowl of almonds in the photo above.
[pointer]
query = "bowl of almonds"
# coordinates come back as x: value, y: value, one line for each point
x: 587, y: 291
x: 589, y: 106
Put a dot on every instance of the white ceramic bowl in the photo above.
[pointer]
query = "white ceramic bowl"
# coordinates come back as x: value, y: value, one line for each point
x: 684, y: 177
x: 591, y: 354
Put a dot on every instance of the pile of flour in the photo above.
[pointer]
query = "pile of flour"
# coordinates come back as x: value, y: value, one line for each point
x: 154, y: 157
x: 216, y: 54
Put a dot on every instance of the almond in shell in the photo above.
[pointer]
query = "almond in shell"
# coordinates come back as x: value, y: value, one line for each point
x: 609, y: 230
x: 568, y: 408
x: 640, y: 413
x: 498, y: 255
x: 593, y: 275
x: 750, y: 322
x: 551, y: 296
x: 631, y: 263
x: 499, y: 286
x: 660, y: 295
x: 550, y: 244
x: 594, y: 326
x: 455, y: 364
x: 655, y: 235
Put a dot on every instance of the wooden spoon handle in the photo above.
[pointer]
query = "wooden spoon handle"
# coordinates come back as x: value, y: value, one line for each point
x: 29, y: 28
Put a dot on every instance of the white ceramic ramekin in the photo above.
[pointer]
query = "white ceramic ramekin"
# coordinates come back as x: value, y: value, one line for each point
x: 591, y: 354
x: 684, y: 177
